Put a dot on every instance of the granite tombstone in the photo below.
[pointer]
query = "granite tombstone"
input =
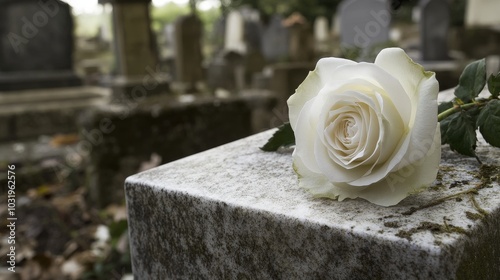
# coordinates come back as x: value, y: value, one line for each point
x: 434, y: 29
x: 188, y: 34
x: 364, y: 23
x: 36, y: 45
x: 275, y: 40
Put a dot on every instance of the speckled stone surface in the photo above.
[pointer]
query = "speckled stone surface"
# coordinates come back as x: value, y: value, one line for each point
x: 235, y: 212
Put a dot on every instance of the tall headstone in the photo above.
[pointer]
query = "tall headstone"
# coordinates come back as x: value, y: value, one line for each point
x: 275, y: 40
x: 364, y: 23
x: 321, y: 29
x: 135, y: 51
x: 36, y: 45
x: 301, y: 45
x: 188, y: 56
x: 434, y: 29
x: 218, y: 34
x: 235, y: 33
x: 254, y: 59
x: 482, y: 13
x: 321, y: 34
x: 133, y: 37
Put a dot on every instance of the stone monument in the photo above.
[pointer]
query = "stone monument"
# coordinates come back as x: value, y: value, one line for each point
x: 364, y: 23
x: 36, y: 45
x: 434, y: 29
x: 188, y: 56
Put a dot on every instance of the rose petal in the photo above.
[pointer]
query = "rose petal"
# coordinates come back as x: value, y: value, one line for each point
x: 376, y: 76
x: 311, y: 86
x: 304, y: 136
x: 307, y: 90
x: 390, y: 191
x: 415, y: 178
x: 316, y: 183
x: 422, y: 88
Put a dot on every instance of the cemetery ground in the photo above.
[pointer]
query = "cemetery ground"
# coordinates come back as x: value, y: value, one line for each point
x: 59, y: 235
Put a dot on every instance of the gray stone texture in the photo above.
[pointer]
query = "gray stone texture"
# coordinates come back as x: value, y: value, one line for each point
x: 236, y: 212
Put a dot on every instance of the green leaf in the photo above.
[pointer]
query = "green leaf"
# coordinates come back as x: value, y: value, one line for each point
x: 489, y: 122
x: 494, y: 85
x: 459, y: 131
x: 445, y: 106
x: 444, y: 125
x: 283, y: 137
x: 472, y: 81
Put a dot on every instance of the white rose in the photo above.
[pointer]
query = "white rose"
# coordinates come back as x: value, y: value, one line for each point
x: 366, y: 130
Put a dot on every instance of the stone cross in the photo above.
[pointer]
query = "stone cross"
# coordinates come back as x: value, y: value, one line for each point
x: 364, y: 23
x: 434, y: 29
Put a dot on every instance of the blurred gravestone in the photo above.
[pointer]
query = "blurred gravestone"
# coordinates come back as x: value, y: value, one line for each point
x: 36, y: 45
x: 254, y: 59
x: 218, y: 34
x: 301, y: 46
x: 275, y: 40
x: 168, y: 52
x: 188, y: 58
x: 364, y: 23
x: 321, y: 34
x: 434, y: 26
x: 235, y: 33
x: 482, y: 13
x: 252, y: 29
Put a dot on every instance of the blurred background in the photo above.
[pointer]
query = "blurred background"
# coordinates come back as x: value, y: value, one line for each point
x: 92, y: 92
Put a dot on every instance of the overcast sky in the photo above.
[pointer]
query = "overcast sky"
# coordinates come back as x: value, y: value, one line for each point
x: 90, y: 6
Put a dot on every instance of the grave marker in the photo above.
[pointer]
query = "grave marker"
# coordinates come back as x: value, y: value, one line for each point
x: 237, y: 212
x: 434, y: 29
x: 36, y: 45
x: 364, y: 23
x: 275, y: 40
x: 188, y: 56
x: 235, y: 33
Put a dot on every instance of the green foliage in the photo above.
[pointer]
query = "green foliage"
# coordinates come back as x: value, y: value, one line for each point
x: 160, y: 16
x: 460, y: 118
x: 281, y: 138
x: 445, y: 106
x: 472, y: 81
x: 489, y: 122
x: 458, y: 12
x: 459, y: 130
x: 494, y: 85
